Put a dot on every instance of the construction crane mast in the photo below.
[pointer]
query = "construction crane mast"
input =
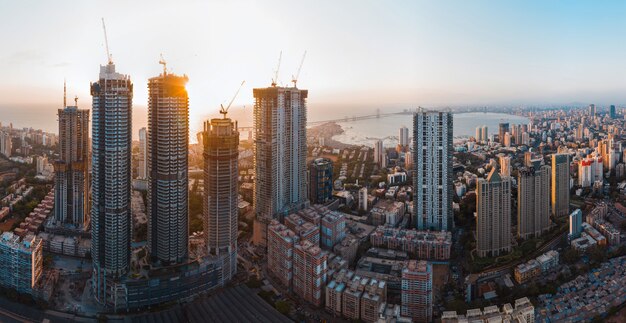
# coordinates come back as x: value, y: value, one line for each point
x: 294, y: 79
x: 223, y: 110
x: 64, y: 94
x: 106, y: 42
x: 275, y: 79
x: 164, y: 63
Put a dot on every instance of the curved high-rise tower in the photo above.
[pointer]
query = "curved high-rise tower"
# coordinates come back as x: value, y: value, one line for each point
x: 221, y: 142
x: 168, y: 144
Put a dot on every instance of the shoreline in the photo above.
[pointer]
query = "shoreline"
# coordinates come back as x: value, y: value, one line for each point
x: 355, y: 133
x: 327, y: 131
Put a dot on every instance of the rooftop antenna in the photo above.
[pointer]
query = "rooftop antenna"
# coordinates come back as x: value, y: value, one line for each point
x: 275, y: 79
x: 76, y: 101
x: 106, y: 42
x: 294, y: 79
x: 164, y: 63
x: 223, y: 110
x: 64, y: 94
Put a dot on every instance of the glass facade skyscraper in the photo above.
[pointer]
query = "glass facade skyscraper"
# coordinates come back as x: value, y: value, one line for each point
x: 111, y: 178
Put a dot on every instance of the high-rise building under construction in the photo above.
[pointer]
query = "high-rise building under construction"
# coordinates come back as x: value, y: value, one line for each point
x: 280, y: 150
x: 71, y: 193
x: 168, y: 144
x: 220, y: 207
x: 143, y: 154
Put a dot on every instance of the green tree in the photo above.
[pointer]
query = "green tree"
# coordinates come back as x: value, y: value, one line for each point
x: 570, y: 256
x: 283, y: 307
x: 597, y: 254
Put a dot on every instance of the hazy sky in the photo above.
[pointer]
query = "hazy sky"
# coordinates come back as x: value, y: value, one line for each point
x: 361, y: 54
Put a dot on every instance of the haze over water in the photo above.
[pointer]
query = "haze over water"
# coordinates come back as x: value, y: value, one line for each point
x: 366, y: 132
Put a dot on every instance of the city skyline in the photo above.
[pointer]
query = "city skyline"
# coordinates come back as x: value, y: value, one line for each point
x: 441, y: 54
x: 380, y: 195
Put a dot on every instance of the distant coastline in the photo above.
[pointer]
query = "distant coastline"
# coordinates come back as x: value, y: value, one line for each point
x: 366, y: 132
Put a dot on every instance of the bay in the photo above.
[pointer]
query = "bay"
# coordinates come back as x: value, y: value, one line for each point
x: 367, y: 132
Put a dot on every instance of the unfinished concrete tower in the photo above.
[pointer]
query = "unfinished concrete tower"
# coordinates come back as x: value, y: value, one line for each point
x: 221, y: 143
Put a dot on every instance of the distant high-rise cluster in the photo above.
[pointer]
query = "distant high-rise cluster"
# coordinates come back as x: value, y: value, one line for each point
x: 110, y: 197
x: 505, y: 165
x: 432, y: 176
x: 612, y: 114
x: 503, y: 128
x: 507, y: 140
x: 482, y: 134
x: 592, y: 110
x: 6, y: 144
x: 380, y: 156
x: 71, y: 197
x: 167, y: 164
x: 516, y: 133
x: 403, y: 138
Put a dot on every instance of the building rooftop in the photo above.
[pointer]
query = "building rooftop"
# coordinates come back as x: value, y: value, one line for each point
x: 417, y: 266
x: 27, y: 244
x: 281, y: 230
x: 310, y: 248
x: 413, y: 234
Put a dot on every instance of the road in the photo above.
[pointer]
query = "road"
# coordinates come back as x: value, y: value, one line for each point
x: 16, y: 312
x: 6, y: 316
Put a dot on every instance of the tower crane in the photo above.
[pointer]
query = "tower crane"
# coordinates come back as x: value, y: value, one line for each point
x: 64, y: 94
x: 275, y: 79
x: 294, y: 79
x: 223, y: 110
x: 164, y: 63
x: 106, y: 42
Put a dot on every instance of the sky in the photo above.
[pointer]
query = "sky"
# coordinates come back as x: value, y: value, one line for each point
x: 361, y: 54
